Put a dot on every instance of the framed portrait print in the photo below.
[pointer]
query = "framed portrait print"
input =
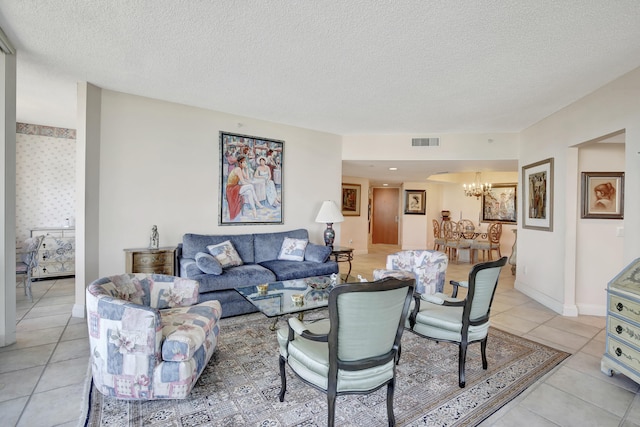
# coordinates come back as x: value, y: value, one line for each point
x: 350, y: 199
x: 499, y: 204
x: 603, y: 195
x: 537, y: 195
x: 251, y: 180
x: 415, y: 202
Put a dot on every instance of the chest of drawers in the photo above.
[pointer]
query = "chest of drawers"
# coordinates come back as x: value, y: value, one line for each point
x: 623, y: 324
x: 57, y: 254
x: 144, y: 260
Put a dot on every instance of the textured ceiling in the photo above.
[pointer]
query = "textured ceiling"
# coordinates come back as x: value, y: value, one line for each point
x: 414, y: 67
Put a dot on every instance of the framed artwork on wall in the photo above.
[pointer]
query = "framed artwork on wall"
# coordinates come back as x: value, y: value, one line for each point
x: 415, y: 202
x: 350, y: 199
x: 251, y: 180
x: 603, y: 195
x: 499, y: 205
x: 537, y: 195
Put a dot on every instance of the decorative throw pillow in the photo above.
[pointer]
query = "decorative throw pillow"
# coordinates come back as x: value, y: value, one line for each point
x: 225, y: 253
x: 293, y: 249
x: 317, y: 253
x: 208, y: 264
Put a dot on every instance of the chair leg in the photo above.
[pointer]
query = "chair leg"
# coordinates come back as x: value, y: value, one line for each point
x: 398, y: 354
x: 283, y: 379
x: 331, y: 404
x: 390, y: 391
x: 461, y: 360
x: 483, y: 350
x: 27, y: 288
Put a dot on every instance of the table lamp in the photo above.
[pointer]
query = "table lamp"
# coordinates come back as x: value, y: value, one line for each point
x: 329, y: 213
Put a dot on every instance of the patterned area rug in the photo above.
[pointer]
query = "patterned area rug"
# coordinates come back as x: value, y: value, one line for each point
x: 240, y: 385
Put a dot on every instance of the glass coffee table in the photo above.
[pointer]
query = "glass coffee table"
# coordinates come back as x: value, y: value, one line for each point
x: 290, y: 296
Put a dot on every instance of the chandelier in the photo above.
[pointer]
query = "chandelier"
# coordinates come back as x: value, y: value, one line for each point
x: 476, y: 189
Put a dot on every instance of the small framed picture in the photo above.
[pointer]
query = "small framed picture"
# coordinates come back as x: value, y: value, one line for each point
x: 350, y: 199
x: 537, y: 195
x: 415, y: 202
x: 603, y: 195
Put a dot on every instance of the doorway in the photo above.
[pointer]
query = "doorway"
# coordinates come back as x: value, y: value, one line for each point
x: 384, y: 221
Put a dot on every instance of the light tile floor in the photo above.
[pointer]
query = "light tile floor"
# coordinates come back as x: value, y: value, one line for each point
x: 42, y: 375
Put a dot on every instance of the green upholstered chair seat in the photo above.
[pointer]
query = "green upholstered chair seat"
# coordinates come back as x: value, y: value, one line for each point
x: 445, y: 323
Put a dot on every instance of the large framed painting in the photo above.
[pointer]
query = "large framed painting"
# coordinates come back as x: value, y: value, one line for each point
x: 415, y: 202
x: 350, y: 199
x: 499, y: 204
x: 251, y: 180
x: 603, y: 195
x: 537, y: 195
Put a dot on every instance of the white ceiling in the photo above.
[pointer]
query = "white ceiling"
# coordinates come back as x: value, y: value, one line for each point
x: 414, y: 67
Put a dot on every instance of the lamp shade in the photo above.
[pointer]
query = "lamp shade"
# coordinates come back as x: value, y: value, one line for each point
x: 329, y: 213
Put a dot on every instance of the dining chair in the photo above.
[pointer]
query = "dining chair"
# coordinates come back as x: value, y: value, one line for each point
x: 356, y: 349
x: 438, y: 238
x: 492, y: 243
x: 28, y: 262
x: 455, y: 240
x: 465, y: 321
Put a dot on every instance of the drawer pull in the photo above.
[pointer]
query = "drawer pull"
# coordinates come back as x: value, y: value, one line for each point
x: 618, y: 352
x: 619, y: 329
x: 619, y: 306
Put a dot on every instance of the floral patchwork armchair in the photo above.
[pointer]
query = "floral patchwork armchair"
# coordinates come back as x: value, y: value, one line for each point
x: 149, y: 338
x: 428, y: 267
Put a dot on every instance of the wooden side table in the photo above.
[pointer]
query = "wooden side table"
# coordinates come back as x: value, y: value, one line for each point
x: 343, y: 254
x: 145, y: 260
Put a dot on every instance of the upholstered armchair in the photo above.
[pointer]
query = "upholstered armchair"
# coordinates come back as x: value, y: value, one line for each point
x: 356, y: 349
x: 461, y: 321
x: 149, y: 339
x: 428, y: 267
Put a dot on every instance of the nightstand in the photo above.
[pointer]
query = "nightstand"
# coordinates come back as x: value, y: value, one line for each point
x: 343, y: 254
x: 145, y: 260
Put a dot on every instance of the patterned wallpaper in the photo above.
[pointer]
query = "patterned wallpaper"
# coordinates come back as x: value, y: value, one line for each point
x: 45, y: 177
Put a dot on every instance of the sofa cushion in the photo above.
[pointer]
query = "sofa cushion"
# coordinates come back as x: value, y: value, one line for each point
x: 226, y: 254
x: 317, y: 253
x: 186, y: 329
x: 231, y: 278
x: 267, y: 245
x: 293, y: 249
x: 289, y: 270
x: 208, y: 264
x: 243, y: 243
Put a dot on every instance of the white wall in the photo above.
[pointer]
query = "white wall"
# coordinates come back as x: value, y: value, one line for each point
x: 548, y: 261
x: 159, y: 165
x: 355, y: 229
x: 467, y: 146
x: 414, y: 228
x: 598, y: 244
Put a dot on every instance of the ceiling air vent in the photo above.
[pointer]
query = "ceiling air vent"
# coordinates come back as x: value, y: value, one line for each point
x: 425, y: 142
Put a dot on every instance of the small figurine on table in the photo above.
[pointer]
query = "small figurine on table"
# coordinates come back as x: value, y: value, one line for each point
x: 154, y: 241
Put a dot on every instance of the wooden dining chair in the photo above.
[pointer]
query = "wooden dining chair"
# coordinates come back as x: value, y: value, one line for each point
x: 492, y: 243
x: 438, y: 238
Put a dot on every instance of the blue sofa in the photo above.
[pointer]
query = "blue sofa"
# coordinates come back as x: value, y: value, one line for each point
x: 259, y: 253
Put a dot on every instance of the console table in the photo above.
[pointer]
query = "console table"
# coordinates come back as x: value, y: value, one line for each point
x: 343, y: 254
x: 145, y: 260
